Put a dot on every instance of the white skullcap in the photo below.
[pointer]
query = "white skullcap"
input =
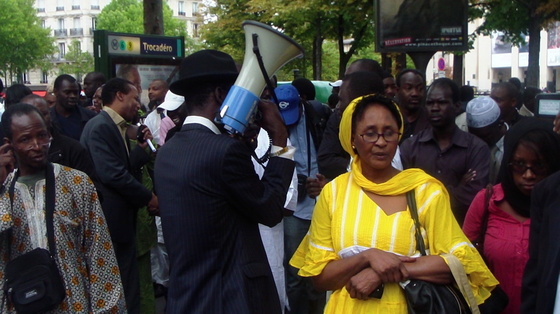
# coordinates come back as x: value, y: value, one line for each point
x: 336, y: 84
x: 481, y: 112
x: 172, y: 101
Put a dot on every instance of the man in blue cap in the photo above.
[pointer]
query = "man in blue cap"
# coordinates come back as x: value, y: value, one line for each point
x: 305, y: 135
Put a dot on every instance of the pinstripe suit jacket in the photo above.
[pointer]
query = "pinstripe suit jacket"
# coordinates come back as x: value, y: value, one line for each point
x: 211, y: 201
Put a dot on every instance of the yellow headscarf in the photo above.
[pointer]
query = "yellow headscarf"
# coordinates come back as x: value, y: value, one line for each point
x: 401, y: 183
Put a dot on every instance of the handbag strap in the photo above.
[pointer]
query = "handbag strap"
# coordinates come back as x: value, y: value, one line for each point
x: 411, y: 201
x: 462, y: 281
x: 49, y: 206
x: 454, y: 265
x: 484, y: 224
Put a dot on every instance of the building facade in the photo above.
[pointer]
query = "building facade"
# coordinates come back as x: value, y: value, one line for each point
x: 492, y: 61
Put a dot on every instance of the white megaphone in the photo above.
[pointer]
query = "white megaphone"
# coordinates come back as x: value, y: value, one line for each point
x: 276, y: 50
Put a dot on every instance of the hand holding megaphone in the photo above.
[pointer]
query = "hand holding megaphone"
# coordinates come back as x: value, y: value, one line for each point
x: 272, y: 122
x: 266, y: 51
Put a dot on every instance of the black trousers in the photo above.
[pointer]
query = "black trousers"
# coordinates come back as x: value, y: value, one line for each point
x: 126, y: 259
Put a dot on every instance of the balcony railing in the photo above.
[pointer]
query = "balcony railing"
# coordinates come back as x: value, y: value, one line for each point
x: 75, y: 7
x: 60, y: 8
x: 60, y: 32
x: 40, y: 9
x: 181, y: 13
x: 95, y: 7
x: 76, y: 31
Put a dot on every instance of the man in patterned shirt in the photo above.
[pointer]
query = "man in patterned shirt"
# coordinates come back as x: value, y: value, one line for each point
x: 84, y: 252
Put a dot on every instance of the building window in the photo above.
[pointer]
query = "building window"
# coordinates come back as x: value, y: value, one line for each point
x: 77, y: 30
x: 195, y: 8
x: 25, y: 77
x: 44, y: 77
x: 95, y: 4
x: 60, y: 5
x: 43, y: 23
x: 181, y: 8
x: 40, y: 5
x: 61, y: 31
x: 195, y: 30
x: 75, y: 4
x: 61, y: 50
x: 93, y: 25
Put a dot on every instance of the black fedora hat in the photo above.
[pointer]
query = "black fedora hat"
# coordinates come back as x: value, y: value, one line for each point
x: 203, y: 66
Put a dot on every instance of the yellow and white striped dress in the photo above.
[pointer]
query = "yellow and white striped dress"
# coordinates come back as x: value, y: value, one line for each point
x: 346, y: 221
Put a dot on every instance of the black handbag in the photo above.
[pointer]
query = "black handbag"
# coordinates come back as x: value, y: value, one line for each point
x: 33, y: 281
x: 427, y: 297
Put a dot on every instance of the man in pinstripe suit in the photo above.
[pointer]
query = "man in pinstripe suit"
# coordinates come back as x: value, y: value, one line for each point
x: 212, y: 200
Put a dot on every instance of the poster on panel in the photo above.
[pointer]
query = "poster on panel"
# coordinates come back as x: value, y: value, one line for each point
x: 421, y: 25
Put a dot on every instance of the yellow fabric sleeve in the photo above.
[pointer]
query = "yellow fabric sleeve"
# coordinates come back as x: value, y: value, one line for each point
x: 317, y: 250
x: 444, y: 235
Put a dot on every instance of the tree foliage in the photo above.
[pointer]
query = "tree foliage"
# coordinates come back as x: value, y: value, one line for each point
x: 126, y: 16
x: 78, y: 62
x: 25, y: 44
x: 517, y: 19
x: 311, y: 23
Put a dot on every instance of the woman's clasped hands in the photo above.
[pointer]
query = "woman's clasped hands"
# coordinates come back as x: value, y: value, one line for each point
x: 384, y: 267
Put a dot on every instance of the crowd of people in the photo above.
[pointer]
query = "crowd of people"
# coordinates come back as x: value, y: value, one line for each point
x: 305, y: 212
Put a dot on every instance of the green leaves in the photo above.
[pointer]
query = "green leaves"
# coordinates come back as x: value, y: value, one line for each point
x: 323, y: 22
x: 78, y: 62
x: 24, y: 43
x: 126, y: 16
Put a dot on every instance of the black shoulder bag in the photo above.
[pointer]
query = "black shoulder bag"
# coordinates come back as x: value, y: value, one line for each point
x: 33, y: 281
x: 427, y: 297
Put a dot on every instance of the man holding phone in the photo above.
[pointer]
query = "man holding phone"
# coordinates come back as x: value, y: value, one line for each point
x: 105, y: 138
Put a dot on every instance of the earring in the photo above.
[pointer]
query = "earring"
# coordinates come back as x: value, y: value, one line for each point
x: 353, y: 147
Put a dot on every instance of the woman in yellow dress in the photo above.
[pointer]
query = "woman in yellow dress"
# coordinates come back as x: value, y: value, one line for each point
x: 362, y: 234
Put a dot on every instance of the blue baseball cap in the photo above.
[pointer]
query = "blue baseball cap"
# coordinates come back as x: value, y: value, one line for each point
x: 288, y: 102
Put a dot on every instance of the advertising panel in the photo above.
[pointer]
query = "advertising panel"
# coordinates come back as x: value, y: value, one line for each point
x: 421, y: 25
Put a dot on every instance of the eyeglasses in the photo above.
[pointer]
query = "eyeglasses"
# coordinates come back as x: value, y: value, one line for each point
x: 388, y: 136
x: 40, y: 141
x: 520, y: 167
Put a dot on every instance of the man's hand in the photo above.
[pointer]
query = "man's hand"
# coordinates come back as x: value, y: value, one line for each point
x: 468, y: 177
x: 153, y: 206
x: 7, y: 161
x: 361, y: 285
x: 315, y: 185
x: 147, y: 136
x: 273, y: 123
x: 390, y: 267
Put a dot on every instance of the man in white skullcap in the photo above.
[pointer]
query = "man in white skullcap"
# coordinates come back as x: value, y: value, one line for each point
x: 483, y: 120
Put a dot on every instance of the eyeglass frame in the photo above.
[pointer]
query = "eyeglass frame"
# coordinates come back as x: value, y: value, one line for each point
x: 542, y: 172
x: 379, y: 135
x: 38, y: 143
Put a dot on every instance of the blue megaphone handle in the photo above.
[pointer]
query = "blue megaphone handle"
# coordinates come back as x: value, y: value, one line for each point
x: 238, y: 109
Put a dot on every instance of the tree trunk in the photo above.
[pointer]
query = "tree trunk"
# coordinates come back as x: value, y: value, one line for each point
x: 535, y: 23
x: 153, y: 17
x: 318, y: 51
x: 458, y: 69
x: 342, y: 61
x: 400, y: 62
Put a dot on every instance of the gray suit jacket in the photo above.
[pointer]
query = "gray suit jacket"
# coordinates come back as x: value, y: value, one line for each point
x: 211, y: 201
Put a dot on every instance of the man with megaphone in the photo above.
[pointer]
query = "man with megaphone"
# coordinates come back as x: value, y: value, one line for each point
x: 211, y: 199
